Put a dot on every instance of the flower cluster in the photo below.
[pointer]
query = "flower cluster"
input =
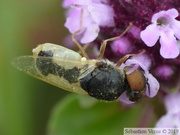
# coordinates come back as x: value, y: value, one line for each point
x: 156, y: 29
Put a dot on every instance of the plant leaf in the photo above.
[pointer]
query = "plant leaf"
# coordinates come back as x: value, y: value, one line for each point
x: 71, y: 117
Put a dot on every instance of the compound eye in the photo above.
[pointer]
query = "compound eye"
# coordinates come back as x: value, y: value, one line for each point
x: 136, y: 79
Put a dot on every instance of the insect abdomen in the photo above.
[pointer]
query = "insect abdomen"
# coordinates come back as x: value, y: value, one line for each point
x: 48, y: 63
x: 47, y: 66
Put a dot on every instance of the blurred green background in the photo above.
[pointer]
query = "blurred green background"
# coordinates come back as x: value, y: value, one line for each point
x: 25, y: 102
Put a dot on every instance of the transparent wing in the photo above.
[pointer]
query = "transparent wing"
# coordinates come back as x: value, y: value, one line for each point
x: 27, y: 64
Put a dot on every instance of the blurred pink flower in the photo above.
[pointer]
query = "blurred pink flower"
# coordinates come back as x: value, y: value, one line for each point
x: 122, y: 46
x: 164, y: 72
x: 172, y: 118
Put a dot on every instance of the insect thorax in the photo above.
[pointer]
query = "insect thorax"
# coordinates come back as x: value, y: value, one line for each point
x: 58, y: 61
x: 105, y: 82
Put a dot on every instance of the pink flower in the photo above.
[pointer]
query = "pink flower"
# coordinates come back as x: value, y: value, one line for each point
x: 95, y: 14
x: 172, y: 118
x: 166, y: 28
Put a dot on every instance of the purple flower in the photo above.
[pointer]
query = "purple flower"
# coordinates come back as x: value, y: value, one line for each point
x: 166, y: 27
x: 95, y: 14
x: 143, y: 62
x: 172, y: 118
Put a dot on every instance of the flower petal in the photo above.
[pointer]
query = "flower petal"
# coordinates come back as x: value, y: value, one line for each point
x: 102, y: 14
x: 172, y: 12
x: 95, y: 14
x: 176, y: 28
x: 168, y: 121
x: 150, y: 35
x: 169, y: 47
x: 172, y: 117
x: 153, y: 85
x: 125, y: 99
x: 73, y: 16
x: 90, y: 33
x: 171, y: 101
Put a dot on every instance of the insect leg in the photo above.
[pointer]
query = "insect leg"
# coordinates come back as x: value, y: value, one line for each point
x: 85, y: 46
x: 104, y: 43
x: 75, y: 41
x: 126, y: 57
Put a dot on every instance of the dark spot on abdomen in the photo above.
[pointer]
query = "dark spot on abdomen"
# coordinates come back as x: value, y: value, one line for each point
x: 72, y: 74
x: 46, y: 53
x: 46, y: 66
